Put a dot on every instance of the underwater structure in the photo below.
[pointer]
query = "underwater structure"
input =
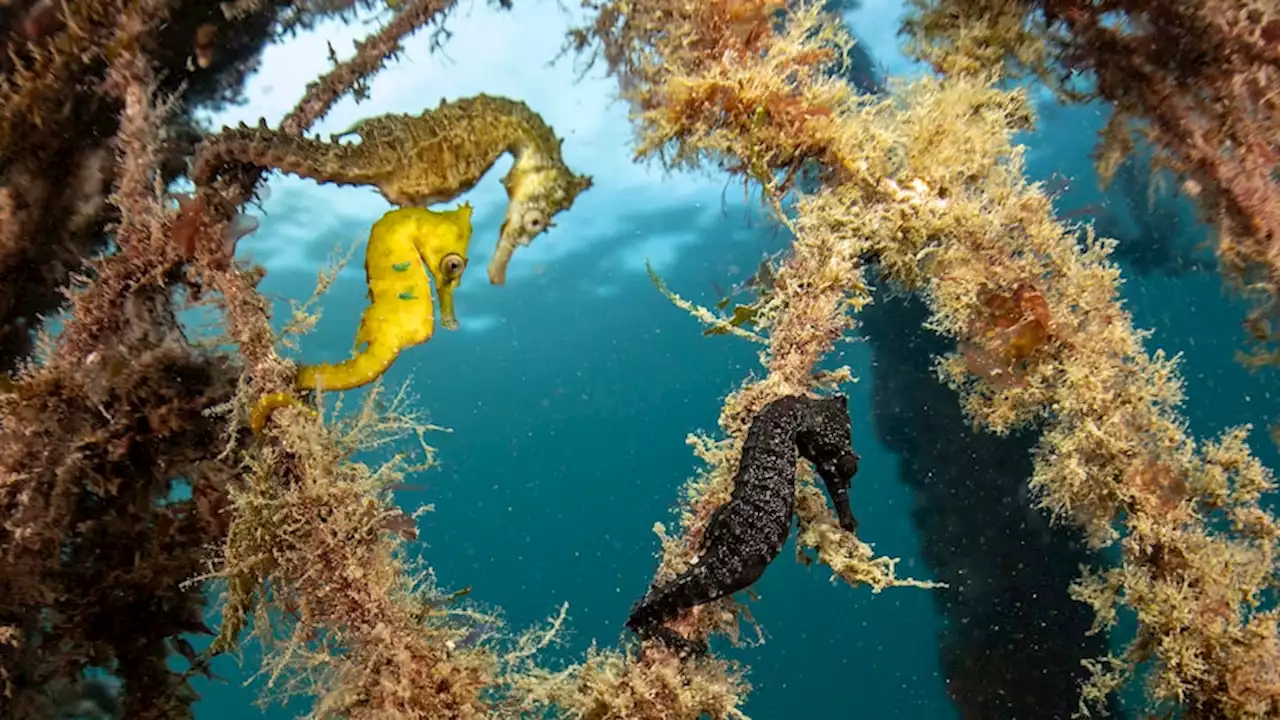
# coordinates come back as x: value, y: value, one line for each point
x: 918, y: 186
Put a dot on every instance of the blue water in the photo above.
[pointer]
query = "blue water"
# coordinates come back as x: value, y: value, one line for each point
x: 570, y: 390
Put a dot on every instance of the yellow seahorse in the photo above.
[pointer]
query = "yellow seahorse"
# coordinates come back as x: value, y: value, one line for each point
x: 405, y: 247
x: 422, y: 160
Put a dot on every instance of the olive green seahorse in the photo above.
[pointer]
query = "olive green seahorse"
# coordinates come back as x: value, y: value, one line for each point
x: 424, y: 159
x: 406, y: 247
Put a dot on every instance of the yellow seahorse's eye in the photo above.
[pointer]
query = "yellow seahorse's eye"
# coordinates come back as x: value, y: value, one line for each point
x: 453, y: 264
x: 534, y: 221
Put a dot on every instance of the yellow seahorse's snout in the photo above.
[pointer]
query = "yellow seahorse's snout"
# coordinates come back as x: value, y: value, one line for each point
x: 443, y: 245
x: 536, y: 196
x: 453, y: 265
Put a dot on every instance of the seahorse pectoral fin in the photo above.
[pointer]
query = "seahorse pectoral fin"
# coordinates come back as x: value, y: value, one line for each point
x: 366, y: 331
x: 362, y: 339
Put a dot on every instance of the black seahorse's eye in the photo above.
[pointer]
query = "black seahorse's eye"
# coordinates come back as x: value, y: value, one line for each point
x: 453, y: 264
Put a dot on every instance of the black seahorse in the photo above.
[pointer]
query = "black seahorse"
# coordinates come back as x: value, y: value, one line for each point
x: 745, y: 534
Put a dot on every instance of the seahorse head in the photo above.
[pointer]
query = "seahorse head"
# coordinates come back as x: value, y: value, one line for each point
x: 537, y: 193
x: 827, y: 438
x: 443, y: 242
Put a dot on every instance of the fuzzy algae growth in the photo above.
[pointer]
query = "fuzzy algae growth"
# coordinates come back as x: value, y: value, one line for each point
x: 924, y: 187
x: 927, y: 188
x: 318, y: 565
x: 1192, y: 82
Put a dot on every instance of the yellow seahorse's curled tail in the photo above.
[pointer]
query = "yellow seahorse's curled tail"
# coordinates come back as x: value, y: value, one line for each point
x: 408, y: 249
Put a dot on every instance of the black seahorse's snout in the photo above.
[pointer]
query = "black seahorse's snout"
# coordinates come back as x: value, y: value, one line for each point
x: 837, y: 473
x: 839, y: 482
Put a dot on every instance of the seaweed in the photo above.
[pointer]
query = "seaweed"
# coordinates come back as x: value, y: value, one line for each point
x: 1192, y: 79
x: 126, y: 455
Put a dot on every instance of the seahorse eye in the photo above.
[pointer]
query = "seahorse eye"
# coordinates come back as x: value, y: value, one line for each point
x: 534, y: 221
x: 453, y: 264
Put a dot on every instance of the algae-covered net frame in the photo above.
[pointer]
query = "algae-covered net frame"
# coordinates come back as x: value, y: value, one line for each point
x: 925, y: 183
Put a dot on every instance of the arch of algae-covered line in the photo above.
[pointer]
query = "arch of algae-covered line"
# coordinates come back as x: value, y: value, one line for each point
x: 928, y: 186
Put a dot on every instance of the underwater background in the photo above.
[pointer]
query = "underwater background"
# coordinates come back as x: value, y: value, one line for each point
x: 569, y: 391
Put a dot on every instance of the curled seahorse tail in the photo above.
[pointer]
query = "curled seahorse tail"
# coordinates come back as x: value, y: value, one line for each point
x: 268, y: 404
x: 269, y: 149
x: 363, y: 368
